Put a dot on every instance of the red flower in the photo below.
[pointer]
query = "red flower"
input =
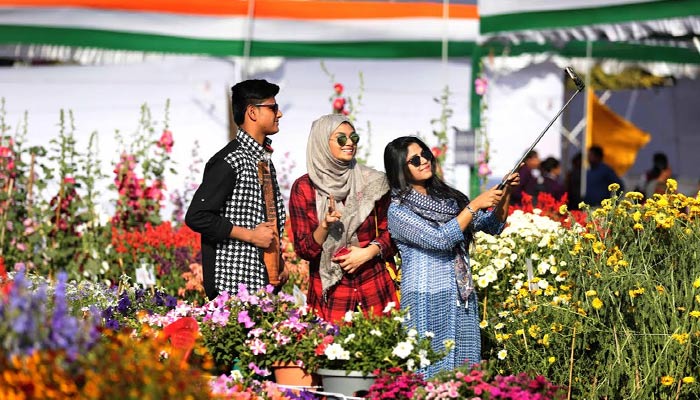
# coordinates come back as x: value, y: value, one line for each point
x: 69, y: 180
x: 166, y: 141
x: 339, y: 104
x: 338, y: 88
x: 5, y: 151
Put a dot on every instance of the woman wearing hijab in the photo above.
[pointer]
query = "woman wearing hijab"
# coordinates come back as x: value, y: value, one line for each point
x: 432, y: 225
x: 338, y: 217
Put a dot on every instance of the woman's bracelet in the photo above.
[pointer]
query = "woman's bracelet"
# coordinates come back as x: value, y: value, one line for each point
x: 469, y: 208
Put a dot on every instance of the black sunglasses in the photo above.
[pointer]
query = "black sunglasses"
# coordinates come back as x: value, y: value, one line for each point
x: 342, y: 139
x: 415, y: 160
x: 274, y: 107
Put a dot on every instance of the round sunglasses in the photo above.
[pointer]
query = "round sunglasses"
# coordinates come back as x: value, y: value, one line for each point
x: 342, y: 139
x: 415, y: 160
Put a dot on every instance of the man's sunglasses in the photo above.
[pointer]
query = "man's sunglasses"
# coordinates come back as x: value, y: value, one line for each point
x: 415, y: 160
x: 342, y: 139
x: 274, y: 106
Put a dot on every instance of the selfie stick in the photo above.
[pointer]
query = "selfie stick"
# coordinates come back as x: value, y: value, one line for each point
x: 579, y: 87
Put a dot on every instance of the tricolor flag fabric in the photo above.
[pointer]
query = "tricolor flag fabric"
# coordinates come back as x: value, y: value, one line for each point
x: 287, y: 28
x: 619, y: 138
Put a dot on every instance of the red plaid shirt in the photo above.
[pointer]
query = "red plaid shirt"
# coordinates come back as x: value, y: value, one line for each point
x: 371, y: 287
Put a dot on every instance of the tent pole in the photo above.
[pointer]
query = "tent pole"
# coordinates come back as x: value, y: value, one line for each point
x: 584, y: 141
x: 248, y: 39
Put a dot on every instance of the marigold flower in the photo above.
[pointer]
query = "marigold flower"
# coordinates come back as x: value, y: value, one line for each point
x: 597, y: 303
x: 667, y: 380
x: 671, y: 185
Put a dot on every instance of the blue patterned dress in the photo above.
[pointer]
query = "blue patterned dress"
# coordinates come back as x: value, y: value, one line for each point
x: 428, y: 282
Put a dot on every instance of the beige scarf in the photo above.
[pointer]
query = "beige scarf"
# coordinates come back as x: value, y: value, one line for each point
x: 354, y: 187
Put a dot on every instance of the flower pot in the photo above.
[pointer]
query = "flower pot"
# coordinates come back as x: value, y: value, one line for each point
x: 353, y: 383
x: 291, y: 375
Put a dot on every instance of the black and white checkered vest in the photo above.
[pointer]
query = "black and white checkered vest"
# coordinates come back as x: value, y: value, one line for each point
x: 238, y: 261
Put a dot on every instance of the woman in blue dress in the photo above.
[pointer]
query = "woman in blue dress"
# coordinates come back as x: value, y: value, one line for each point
x: 433, y: 224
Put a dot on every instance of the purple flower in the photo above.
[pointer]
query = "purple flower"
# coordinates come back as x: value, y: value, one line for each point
x: 244, y: 319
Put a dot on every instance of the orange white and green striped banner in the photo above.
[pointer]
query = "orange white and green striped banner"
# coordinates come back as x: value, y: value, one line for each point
x: 288, y: 28
x: 565, y: 17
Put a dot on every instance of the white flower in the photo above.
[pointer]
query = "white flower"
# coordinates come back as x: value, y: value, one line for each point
x: 498, y: 326
x: 402, y: 350
x: 410, y: 364
x: 348, y: 316
x: 543, y: 284
x: 482, y: 282
x: 429, y: 334
x: 389, y: 306
x: 423, y: 357
x: 375, y: 332
x: 400, y: 319
x: 543, y: 267
x: 236, y: 375
x: 335, y: 351
x: 502, y: 354
x: 412, y: 333
x: 349, y: 338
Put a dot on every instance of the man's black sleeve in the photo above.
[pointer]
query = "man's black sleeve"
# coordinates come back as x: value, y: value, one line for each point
x: 204, y: 214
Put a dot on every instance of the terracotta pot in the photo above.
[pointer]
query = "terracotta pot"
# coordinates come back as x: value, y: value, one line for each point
x: 290, y: 374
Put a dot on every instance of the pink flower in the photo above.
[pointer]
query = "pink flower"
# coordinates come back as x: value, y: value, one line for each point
x: 166, y: 141
x: 5, y: 151
x: 484, y: 169
x: 69, y: 180
x: 339, y: 104
x: 338, y: 88
x: 480, y: 85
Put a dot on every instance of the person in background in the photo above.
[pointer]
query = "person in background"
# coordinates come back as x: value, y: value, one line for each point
x: 528, y: 172
x: 655, y: 178
x: 550, y: 178
x: 228, y: 207
x: 338, y: 217
x: 598, y: 177
x: 432, y: 225
x: 572, y: 182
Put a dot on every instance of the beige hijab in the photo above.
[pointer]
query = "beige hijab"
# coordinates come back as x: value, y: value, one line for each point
x: 354, y: 187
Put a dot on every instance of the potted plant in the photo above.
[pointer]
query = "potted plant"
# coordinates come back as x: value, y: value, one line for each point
x: 279, y: 339
x: 364, y: 343
x: 256, y: 333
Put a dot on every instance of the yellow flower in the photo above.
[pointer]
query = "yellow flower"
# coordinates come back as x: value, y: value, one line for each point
x: 598, y: 247
x: 533, y: 331
x: 563, y: 209
x: 636, y: 216
x: 671, y: 184
x: 696, y: 283
x: 695, y: 314
x: 688, y: 379
x: 638, y: 227
x: 597, y: 303
x: 681, y: 338
x: 553, y: 359
x: 545, y: 340
x: 667, y: 380
x: 634, y: 195
x: 520, y: 332
x: 483, y: 324
x: 590, y: 293
x: 613, y: 187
